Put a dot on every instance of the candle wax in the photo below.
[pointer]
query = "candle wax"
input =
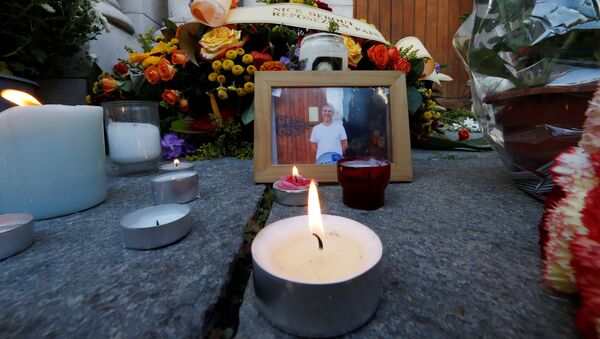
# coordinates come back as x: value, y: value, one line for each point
x: 174, y: 176
x: 130, y: 142
x: 299, y: 257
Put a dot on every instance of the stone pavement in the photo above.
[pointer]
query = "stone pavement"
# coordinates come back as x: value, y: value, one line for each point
x: 77, y: 280
x: 461, y: 259
x: 461, y: 256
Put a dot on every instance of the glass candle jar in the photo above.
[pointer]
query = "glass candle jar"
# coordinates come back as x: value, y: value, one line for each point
x: 363, y: 181
x: 133, y: 133
x: 323, y: 52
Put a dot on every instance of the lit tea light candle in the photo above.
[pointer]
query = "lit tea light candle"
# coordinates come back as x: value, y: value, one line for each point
x: 175, y: 188
x: 317, y: 275
x: 176, y: 166
x: 16, y: 234
x: 155, y: 226
x: 292, y: 190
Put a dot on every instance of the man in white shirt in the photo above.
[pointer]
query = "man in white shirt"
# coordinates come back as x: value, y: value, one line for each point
x: 328, y: 139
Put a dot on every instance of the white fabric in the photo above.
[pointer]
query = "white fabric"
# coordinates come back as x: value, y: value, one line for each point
x: 328, y: 138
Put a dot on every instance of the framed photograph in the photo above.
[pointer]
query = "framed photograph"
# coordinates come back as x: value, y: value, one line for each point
x: 313, y: 119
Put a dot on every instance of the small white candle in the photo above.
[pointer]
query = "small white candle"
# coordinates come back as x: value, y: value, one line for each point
x: 176, y: 166
x: 155, y: 226
x: 16, y: 233
x: 131, y: 142
x: 173, y: 176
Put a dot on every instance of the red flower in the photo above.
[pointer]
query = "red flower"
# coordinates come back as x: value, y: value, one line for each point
x: 463, y: 134
x: 323, y: 5
x: 170, y: 96
x: 121, y: 68
x: 402, y: 65
x: 260, y: 58
x: 273, y: 66
x: 393, y: 54
x: 152, y: 75
x: 379, y: 56
x: 591, y: 214
x: 586, y: 262
x: 184, y: 105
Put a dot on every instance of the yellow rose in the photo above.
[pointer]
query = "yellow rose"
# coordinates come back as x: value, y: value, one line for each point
x: 218, y: 41
x: 354, y: 51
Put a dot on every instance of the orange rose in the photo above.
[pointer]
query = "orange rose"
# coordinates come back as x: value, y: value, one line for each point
x: 393, y: 54
x: 152, y: 75
x: 178, y: 57
x: 272, y: 66
x: 166, y: 70
x: 379, y: 56
x: 216, y: 42
x: 234, y: 3
x: 401, y: 64
x: 184, y: 105
x: 109, y: 84
x: 170, y: 96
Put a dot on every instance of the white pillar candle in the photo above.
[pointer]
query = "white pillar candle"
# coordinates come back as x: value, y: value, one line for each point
x: 132, y: 142
x: 52, y: 159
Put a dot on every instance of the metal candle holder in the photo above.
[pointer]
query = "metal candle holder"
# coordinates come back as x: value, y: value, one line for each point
x: 175, y: 188
x: 16, y: 233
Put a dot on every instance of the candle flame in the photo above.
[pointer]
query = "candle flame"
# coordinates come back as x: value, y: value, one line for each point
x: 295, y: 172
x: 20, y: 98
x: 315, y: 221
x: 176, y: 162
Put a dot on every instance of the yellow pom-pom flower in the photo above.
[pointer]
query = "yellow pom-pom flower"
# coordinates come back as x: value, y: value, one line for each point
x: 222, y: 94
x: 228, y: 65
x: 217, y: 65
x: 250, y: 69
x: 212, y: 76
x: 249, y: 87
x: 231, y: 54
x: 247, y: 59
x: 237, y: 70
x: 240, y: 51
x: 241, y: 92
x: 221, y: 78
x: 427, y: 115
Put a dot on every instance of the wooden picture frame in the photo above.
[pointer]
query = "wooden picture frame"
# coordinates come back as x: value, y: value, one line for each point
x: 265, y: 136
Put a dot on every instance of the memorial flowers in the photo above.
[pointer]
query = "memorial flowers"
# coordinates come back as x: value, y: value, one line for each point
x: 571, y: 225
x: 197, y: 71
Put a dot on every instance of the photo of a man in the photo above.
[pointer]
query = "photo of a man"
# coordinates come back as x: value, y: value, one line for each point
x: 328, y: 139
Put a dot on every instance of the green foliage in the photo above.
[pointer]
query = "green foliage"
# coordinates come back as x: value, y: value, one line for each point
x: 228, y: 143
x: 146, y: 40
x: 39, y: 34
x: 333, y: 26
x: 458, y: 114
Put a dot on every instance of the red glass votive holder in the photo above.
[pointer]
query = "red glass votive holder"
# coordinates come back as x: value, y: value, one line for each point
x: 363, y: 181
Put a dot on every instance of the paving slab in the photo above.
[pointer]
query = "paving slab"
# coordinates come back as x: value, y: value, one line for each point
x: 77, y: 280
x: 461, y: 256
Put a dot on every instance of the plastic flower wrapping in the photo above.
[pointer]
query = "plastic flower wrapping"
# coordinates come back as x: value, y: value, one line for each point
x: 570, y: 229
x: 533, y: 65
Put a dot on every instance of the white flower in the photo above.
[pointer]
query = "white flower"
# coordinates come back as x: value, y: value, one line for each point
x: 48, y: 8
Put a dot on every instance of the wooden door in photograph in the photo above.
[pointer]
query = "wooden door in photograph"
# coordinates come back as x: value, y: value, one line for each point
x: 292, y: 123
x: 434, y: 22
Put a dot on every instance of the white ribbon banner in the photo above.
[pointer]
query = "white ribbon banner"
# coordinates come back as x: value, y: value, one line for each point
x: 213, y: 13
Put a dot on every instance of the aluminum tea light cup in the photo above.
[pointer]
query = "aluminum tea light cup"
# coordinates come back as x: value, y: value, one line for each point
x: 155, y: 226
x: 317, y: 286
x: 16, y: 234
x: 175, y: 188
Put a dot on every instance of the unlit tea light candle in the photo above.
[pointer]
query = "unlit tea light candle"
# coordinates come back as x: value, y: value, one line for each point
x: 155, y: 226
x: 175, y: 188
x: 16, y: 233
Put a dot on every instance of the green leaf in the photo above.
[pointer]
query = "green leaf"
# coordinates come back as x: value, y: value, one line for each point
x: 170, y: 25
x: 181, y: 126
x: 248, y: 115
x: 439, y: 142
x: 414, y: 98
